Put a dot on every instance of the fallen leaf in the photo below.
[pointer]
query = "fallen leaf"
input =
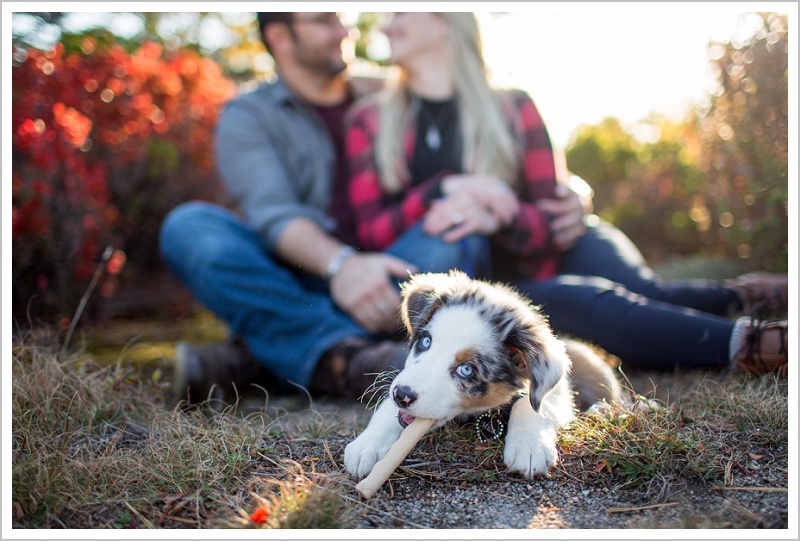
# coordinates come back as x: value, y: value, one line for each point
x: 260, y: 515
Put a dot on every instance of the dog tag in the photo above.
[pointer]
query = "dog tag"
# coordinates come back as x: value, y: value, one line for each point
x: 490, y: 426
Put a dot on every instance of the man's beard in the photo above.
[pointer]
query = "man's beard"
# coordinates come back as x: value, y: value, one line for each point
x: 317, y: 59
x: 319, y: 62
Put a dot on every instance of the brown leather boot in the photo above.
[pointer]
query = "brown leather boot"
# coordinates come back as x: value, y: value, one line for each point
x: 354, y: 367
x: 764, y: 348
x: 761, y: 291
x: 216, y: 374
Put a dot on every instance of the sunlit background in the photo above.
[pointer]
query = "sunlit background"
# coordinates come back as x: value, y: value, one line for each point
x: 583, y: 67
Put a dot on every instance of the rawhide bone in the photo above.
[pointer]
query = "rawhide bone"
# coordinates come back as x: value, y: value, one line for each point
x: 397, y: 452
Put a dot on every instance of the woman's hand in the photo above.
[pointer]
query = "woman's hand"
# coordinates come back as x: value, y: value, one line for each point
x: 460, y: 215
x: 488, y: 191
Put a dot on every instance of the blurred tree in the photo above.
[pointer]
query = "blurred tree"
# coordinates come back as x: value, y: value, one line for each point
x: 368, y: 36
x: 35, y: 29
x: 230, y: 38
x: 227, y: 37
x: 603, y: 154
x: 647, y: 189
x: 716, y: 183
x: 746, y: 143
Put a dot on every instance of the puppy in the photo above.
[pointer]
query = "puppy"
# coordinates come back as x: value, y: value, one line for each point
x: 477, y: 347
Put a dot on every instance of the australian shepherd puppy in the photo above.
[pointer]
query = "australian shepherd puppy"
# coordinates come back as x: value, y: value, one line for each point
x: 481, y: 350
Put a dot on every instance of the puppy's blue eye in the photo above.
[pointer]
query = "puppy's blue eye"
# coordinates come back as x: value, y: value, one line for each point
x: 464, y: 370
x: 425, y: 343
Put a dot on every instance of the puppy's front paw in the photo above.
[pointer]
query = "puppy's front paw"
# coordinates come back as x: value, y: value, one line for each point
x: 365, y: 451
x: 531, y: 449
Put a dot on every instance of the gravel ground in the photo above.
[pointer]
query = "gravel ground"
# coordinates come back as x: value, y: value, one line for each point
x: 570, y: 498
x: 554, y: 503
x: 564, y: 502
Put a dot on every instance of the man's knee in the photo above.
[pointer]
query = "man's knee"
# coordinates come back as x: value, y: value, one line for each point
x: 184, y: 219
x: 189, y: 236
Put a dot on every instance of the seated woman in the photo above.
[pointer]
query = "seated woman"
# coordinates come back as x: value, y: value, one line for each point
x: 444, y: 152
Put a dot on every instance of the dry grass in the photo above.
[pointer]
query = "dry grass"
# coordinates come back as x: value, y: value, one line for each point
x: 754, y: 406
x: 95, y: 447
x: 644, y: 445
x: 658, y: 445
x: 297, y: 500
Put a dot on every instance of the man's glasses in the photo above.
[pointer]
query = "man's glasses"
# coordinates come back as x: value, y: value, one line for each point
x: 326, y: 19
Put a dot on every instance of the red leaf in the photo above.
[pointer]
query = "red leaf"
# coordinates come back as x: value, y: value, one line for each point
x: 260, y: 515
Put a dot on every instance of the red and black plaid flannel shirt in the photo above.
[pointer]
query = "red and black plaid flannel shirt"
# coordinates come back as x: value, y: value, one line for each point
x: 381, y: 217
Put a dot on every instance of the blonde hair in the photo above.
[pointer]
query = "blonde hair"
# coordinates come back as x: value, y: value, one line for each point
x: 488, y: 142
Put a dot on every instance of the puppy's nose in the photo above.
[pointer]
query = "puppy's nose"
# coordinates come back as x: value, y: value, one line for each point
x: 403, y: 396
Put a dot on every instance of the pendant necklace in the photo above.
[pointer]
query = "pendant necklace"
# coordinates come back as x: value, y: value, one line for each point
x: 433, y: 137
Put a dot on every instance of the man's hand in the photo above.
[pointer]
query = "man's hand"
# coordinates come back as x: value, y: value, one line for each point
x: 364, y: 289
x: 572, y: 203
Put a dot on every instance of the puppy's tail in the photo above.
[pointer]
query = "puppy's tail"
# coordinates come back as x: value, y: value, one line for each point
x: 592, y: 379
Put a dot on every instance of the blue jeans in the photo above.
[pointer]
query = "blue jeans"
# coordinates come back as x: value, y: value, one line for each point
x: 607, y: 295
x: 286, y: 317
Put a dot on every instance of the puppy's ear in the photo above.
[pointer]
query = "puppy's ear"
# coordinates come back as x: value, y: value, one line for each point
x: 548, y: 368
x: 535, y: 349
x: 419, y: 302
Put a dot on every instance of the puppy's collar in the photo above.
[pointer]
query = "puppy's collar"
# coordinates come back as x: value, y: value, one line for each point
x: 491, y: 425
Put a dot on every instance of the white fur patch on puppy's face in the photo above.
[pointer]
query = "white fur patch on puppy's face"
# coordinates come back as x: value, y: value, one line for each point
x: 457, y: 364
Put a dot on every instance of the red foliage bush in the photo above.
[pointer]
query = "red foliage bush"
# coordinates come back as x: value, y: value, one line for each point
x: 104, y: 143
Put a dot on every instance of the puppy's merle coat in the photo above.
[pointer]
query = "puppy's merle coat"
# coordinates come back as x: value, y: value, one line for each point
x: 475, y: 347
